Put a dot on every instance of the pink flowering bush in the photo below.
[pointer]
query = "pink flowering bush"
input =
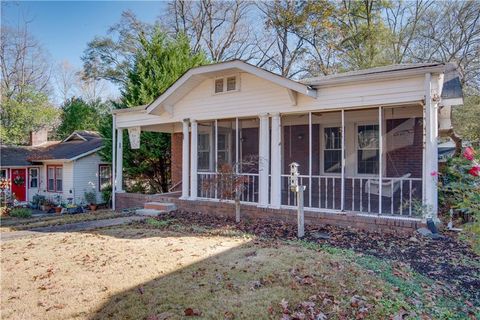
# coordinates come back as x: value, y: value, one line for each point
x: 459, y: 184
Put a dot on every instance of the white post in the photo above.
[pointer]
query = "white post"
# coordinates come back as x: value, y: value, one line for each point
x: 430, y: 170
x: 119, y: 160
x: 264, y: 160
x: 380, y: 158
x: 185, y: 160
x: 114, y: 178
x: 300, y: 213
x: 276, y: 160
x: 193, y: 161
x: 342, y: 195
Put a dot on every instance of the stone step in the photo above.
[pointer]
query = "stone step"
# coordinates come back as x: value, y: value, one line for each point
x: 162, y: 206
x: 150, y: 212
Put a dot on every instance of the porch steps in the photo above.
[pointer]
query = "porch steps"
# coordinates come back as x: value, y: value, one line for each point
x: 149, y: 212
x: 161, y: 206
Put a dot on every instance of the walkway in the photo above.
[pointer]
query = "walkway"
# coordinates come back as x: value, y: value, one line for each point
x: 71, y: 227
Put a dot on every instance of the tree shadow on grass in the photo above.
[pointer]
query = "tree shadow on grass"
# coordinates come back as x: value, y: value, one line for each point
x: 249, y: 282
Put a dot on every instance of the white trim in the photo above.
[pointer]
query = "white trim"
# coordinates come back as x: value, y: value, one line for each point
x: 193, y: 160
x: 74, y: 134
x: 185, y: 159
x: 263, y: 160
x: 235, y: 64
x: 84, y: 154
x: 114, y: 163
x: 276, y: 161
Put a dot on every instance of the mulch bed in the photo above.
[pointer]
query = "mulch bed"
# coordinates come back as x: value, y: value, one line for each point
x: 448, y: 260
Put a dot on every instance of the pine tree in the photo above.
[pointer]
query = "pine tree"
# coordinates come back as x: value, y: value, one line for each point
x: 159, y: 63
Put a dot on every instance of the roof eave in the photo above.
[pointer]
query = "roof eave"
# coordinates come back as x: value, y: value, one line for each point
x: 379, y: 76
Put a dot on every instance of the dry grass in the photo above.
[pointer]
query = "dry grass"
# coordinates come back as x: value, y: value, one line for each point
x: 135, y: 273
x: 9, y: 224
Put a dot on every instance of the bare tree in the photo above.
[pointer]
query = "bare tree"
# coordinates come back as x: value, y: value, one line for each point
x: 23, y: 62
x: 66, y: 80
x: 450, y: 31
x: 286, y: 49
x: 403, y: 19
x: 221, y: 28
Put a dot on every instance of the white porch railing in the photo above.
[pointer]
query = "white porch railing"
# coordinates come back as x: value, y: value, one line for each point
x: 208, y: 187
x: 361, y: 194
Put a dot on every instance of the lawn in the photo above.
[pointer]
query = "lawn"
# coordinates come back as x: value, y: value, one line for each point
x: 164, y: 269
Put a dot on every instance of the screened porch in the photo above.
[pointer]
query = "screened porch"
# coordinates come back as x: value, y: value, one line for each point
x: 381, y: 147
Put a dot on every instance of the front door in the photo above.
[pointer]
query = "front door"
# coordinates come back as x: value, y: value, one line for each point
x: 19, y: 184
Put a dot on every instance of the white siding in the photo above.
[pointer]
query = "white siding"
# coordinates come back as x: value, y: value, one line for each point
x: 257, y: 95
x: 86, y: 177
x: 67, y: 183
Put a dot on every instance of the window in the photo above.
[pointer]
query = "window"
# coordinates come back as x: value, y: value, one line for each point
x: 55, y: 178
x: 223, y: 148
x: 33, y: 172
x: 3, y: 174
x: 203, y: 151
x: 367, y: 149
x: 231, y: 83
x: 226, y: 84
x: 104, y: 177
x: 218, y: 85
x: 332, y: 150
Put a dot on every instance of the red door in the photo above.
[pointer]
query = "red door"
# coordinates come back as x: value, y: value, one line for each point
x: 19, y: 184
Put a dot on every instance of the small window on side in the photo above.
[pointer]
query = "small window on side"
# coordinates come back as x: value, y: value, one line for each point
x: 219, y: 85
x: 33, y: 177
x: 231, y: 83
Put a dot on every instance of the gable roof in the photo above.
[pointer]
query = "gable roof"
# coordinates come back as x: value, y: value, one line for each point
x: 77, y: 145
x: 195, y: 76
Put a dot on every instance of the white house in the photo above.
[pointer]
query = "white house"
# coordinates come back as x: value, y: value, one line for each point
x: 366, y: 141
x: 59, y: 170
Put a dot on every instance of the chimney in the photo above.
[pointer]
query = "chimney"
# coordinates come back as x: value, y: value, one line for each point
x: 38, y: 137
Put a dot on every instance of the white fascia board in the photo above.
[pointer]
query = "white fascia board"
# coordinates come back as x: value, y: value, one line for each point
x: 397, y: 74
x: 236, y: 64
x: 86, y: 154
x: 74, y: 134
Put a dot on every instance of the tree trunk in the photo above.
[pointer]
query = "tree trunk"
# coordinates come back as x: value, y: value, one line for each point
x: 237, y: 210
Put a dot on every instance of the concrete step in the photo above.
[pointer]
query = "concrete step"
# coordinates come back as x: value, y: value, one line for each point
x: 162, y: 206
x: 150, y: 212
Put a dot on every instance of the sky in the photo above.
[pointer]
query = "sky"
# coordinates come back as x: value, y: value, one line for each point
x: 65, y: 27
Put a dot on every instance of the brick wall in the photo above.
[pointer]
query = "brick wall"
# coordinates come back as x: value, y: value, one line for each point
x: 177, y: 150
x: 370, y: 223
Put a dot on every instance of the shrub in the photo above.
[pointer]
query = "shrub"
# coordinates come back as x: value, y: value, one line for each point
x: 459, y: 185
x: 20, y: 213
x: 107, y: 195
x: 90, y: 197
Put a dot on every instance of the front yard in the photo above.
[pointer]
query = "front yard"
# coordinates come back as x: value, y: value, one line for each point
x: 171, y: 269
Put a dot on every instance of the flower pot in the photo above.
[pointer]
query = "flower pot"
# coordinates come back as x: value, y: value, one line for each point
x: 93, y: 207
x: 58, y: 210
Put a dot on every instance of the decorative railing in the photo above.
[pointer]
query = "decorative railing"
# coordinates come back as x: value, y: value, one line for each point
x: 361, y: 194
x: 209, y: 187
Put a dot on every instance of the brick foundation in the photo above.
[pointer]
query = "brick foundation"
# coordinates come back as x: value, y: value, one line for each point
x: 176, y: 160
x: 350, y: 220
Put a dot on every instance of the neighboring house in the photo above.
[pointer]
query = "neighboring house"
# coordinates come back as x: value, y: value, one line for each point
x: 56, y: 169
x: 366, y: 141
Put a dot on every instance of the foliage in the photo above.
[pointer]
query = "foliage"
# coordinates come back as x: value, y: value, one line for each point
x: 159, y: 63
x: 90, y: 197
x: 159, y: 223
x: 28, y: 111
x: 460, y: 184
x: 80, y: 115
x: 38, y: 200
x: 107, y: 195
x: 20, y: 213
x: 466, y: 119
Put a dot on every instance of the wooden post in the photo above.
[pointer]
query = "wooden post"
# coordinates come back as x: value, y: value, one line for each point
x: 300, y: 212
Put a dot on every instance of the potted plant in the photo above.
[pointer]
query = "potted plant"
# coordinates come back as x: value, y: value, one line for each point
x: 91, y: 199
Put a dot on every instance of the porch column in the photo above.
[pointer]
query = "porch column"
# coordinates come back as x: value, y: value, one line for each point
x: 276, y: 170
x: 185, y: 160
x: 193, y: 161
x: 119, y: 161
x: 264, y: 160
x: 430, y: 169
